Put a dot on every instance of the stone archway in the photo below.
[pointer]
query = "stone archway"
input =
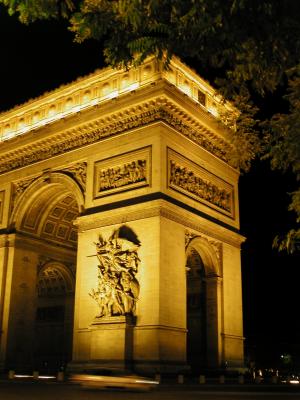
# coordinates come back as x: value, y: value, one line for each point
x: 144, y: 154
x: 42, y: 191
x: 196, y: 312
x: 203, y: 304
x: 54, y: 316
x: 41, y: 306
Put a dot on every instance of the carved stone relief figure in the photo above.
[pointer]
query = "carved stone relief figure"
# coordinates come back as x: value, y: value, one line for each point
x: 202, y: 188
x: 78, y: 172
x: 19, y: 188
x: 118, y: 289
x: 122, y: 175
x: 188, y: 237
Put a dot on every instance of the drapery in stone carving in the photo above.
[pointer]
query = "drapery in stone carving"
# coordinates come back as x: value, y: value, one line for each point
x: 122, y: 175
x: 187, y: 180
x: 118, y: 288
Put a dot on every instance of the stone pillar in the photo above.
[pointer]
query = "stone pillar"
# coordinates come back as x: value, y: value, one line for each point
x: 213, y: 318
x: 159, y: 333
x: 5, y: 256
x: 18, y: 305
x: 233, y: 340
x: 160, y: 339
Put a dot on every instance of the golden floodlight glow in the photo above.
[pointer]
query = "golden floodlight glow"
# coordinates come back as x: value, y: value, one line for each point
x: 117, y: 185
x: 102, y: 86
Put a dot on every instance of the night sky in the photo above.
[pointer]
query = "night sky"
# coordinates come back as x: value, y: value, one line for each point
x: 41, y: 57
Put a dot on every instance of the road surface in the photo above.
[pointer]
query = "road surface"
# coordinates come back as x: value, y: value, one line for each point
x: 58, y: 391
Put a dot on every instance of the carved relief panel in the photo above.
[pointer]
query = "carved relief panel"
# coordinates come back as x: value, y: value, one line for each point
x: 196, y: 182
x: 121, y: 173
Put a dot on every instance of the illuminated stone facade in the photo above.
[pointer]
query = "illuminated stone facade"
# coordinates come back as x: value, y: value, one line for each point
x: 119, y: 226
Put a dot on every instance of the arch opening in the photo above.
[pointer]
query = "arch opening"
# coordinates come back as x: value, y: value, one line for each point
x: 54, y: 317
x: 43, y: 280
x: 204, y: 315
x: 196, y: 312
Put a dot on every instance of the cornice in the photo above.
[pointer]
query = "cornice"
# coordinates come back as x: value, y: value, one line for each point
x: 207, y: 228
x: 159, y: 105
x: 162, y: 208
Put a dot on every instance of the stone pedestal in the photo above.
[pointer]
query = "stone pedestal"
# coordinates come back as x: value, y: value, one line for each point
x: 112, y: 341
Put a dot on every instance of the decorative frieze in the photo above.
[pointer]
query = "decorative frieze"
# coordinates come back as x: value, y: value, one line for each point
x: 196, y: 182
x: 199, y: 135
x: 125, y: 172
x: 95, y: 131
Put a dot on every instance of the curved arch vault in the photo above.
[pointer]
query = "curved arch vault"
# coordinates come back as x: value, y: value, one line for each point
x: 120, y: 182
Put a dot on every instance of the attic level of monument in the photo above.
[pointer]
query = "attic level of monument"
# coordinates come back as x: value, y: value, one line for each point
x: 103, y: 85
x: 57, y: 116
x: 119, y: 226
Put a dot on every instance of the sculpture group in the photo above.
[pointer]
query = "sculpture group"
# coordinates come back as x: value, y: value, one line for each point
x: 126, y: 174
x: 118, y: 288
x: 186, y: 179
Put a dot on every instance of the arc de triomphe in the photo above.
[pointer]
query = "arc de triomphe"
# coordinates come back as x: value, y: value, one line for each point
x: 119, y: 226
